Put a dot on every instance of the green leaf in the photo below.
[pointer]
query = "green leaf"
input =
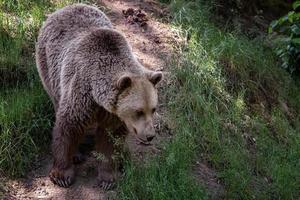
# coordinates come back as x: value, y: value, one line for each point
x: 291, y: 16
x: 296, y: 40
x: 279, y: 51
x: 295, y: 29
x: 284, y: 29
x: 283, y: 19
x: 270, y: 30
x: 273, y: 25
x: 296, y: 4
x: 285, y: 39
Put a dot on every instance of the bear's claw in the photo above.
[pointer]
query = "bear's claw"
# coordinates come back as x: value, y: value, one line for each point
x: 62, y: 179
x: 105, y: 185
x: 62, y: 182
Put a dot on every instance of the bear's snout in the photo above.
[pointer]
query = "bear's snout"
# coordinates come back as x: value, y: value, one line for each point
x: 145, y: 134
x: 148, y: 133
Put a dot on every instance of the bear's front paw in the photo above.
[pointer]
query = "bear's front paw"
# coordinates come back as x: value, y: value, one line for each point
x: 62, y: 178
x: 106, y: 180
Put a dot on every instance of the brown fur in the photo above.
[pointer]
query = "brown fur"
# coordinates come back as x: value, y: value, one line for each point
x: 88, y: 70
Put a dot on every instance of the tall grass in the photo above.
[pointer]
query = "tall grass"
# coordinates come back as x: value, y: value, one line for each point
x: 25, y: 118
x: 234, y: 108
x: 25, y: 110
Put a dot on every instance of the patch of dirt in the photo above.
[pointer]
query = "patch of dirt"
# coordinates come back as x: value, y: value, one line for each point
x: 207, y: 177
x: 151, y: 39
x: 37, y: 185
x: 152, y: 42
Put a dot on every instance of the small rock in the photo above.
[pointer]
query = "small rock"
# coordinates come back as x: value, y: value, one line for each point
x: 157, y: 40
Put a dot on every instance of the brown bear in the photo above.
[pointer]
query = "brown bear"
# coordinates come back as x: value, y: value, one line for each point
x: 91, y: 75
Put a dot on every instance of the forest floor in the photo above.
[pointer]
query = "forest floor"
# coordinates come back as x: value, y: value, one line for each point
x: 152, y: 44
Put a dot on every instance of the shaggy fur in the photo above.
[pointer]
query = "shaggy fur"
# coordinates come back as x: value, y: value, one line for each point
x: 88, y: 70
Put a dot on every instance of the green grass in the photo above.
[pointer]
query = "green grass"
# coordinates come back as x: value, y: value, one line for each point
x: 25, y: 118
x: 26, y: 112
x: 230, y: 115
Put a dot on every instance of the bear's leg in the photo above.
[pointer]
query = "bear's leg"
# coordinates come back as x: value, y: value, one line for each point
x: 78, y: 158
x: 106, y: 146
x: 85, y: 147
x: 65, y: 140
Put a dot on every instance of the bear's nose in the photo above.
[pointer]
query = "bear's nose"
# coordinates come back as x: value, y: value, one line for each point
x: 150, y: 138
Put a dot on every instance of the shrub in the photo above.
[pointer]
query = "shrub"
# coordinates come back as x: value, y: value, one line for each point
x: 288, y: 49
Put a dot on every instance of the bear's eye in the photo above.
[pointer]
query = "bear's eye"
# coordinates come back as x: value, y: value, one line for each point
x: 153, y: 110
x: 139, y: 114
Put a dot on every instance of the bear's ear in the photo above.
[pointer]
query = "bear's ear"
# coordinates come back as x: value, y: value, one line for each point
x: 124, y: 82
x: 155, y: 77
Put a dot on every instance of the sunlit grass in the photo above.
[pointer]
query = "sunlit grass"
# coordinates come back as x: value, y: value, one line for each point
x: 227, y: 113
x: 25, y: 109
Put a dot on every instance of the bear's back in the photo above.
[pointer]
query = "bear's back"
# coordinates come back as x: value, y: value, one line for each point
x: 61, y: 29
x: 73, y: 19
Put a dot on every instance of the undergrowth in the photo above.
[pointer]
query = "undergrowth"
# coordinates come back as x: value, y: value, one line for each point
x: 26, y: 112
x: 234, y: 109
x: 25, y: 118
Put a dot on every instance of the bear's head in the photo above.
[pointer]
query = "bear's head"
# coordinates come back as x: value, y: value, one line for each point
x: 137, y: 103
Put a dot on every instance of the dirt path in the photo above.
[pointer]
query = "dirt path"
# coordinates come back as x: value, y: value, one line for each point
x: 150, y: 38
x: 152, y: 44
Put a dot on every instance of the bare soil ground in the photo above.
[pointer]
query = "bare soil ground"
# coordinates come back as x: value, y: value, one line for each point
x: 152, y: 41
